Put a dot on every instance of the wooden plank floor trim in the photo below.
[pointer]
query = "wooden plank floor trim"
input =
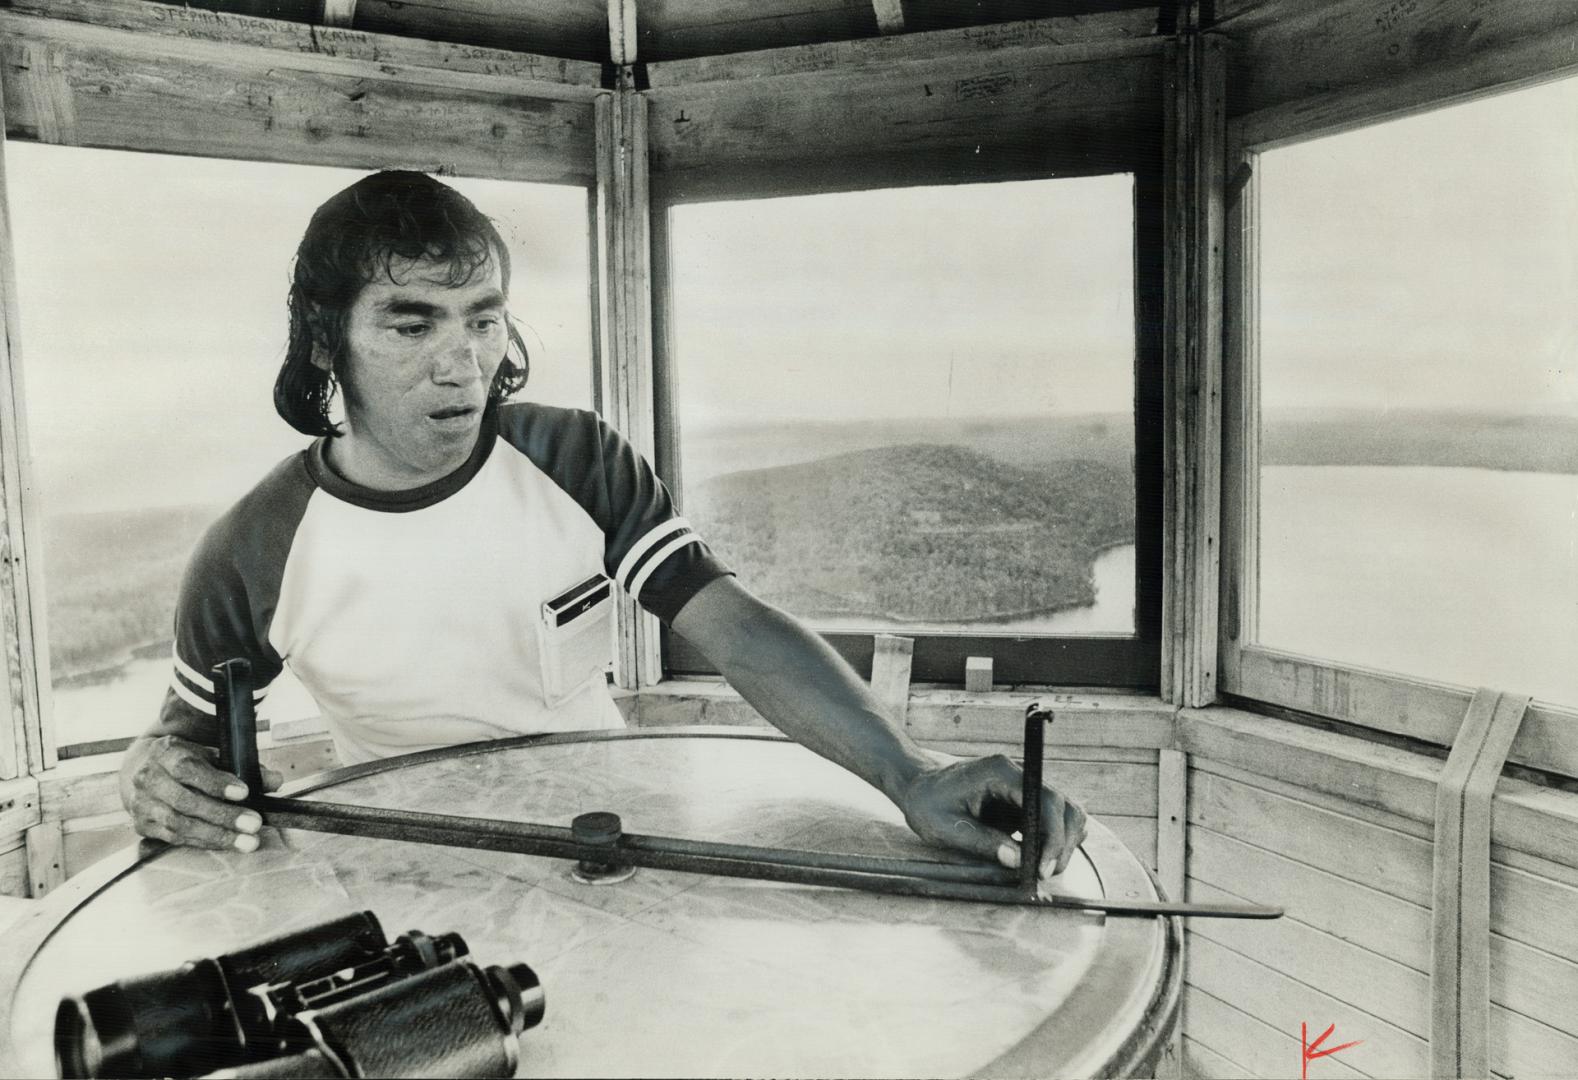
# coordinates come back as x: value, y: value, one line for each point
x: 1423, y: 829
x: 1240, y: 1037
x: 1385, y: 989
x: 1352, y: 911
x: 1283, y: 1003
x: 1384, y: 859
x: 1203, y: 1063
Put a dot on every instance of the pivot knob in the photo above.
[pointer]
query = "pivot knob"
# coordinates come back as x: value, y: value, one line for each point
x: 602, y: 830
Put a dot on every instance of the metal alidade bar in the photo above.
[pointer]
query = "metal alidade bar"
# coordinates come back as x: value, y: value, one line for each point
x: 615, y: 848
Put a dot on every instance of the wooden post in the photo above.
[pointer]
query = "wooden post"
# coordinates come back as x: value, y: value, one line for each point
x: 1195, y: 133
x: 46, y: 857
x: 27, y: 742
x: 1460, y: 894
x: 622, y: 31
x: 626, y: 325
x: 339, y: 12
x: 890, y: 16
x: 890, y: 674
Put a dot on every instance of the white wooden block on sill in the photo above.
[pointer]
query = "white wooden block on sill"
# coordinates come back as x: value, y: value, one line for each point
x: 978, y: 674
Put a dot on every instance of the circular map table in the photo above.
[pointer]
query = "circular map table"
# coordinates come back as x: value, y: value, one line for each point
x: 666, y: 973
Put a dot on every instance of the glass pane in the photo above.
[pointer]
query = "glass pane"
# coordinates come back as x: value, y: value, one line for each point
x: 152, y: 295
x: 1419, y: 344
x: 913, y: 408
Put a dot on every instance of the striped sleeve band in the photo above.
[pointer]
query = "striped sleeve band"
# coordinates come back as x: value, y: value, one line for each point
x: 651, y: 551
x: 197, y: 690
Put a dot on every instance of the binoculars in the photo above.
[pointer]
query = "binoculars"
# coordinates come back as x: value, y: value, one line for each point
x: 332, y: 1000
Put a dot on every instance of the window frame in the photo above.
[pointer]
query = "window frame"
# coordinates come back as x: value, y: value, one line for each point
x: 1253, y: 674
x: 448, y: 89
x: 1131, y: 661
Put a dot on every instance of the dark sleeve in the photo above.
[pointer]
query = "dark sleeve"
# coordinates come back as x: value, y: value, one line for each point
x: 228, y: 596
x: 649, y: 549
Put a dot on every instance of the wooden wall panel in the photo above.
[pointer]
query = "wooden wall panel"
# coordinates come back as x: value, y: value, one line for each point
x: 1283, y: 1003
x: 1201, y: 1062
x: 1056, y: 114
x: 93, y: 96
x: 13, y: 866
x: 1251, y: 1044
x: 1357, y: 889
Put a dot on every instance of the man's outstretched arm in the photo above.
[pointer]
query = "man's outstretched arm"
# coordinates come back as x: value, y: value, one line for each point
x: 794, y: 679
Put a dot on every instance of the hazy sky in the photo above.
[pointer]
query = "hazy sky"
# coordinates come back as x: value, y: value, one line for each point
x: 1428, y: 262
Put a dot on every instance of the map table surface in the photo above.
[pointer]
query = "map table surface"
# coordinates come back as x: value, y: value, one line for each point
x: 666, y: 973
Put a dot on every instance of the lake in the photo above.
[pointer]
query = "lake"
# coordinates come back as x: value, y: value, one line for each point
x: 1460, y: 575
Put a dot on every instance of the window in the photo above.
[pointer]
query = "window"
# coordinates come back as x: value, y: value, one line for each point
x: 1418, y: 466
x: 913, y: 410
x: 152, y: 297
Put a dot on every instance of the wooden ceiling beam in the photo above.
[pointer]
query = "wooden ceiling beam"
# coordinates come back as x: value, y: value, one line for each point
x: 1074, y: 38
x: 164, y: 30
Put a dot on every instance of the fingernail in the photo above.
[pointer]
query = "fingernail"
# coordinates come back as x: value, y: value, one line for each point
x: 1008, y: 855
x: 246, y: 842
x: 236, y: 792
x: 249, y: 822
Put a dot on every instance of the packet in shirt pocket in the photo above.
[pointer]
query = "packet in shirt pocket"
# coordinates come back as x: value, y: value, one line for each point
x: 575, y: 638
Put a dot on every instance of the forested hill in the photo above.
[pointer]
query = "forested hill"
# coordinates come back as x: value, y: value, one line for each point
x: 917, y: 532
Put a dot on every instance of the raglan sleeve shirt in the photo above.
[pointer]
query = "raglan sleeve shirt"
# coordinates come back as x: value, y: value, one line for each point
x: 308, y: 568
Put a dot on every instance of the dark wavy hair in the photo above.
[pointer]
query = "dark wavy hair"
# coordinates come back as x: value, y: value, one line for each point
x: 352, y: 240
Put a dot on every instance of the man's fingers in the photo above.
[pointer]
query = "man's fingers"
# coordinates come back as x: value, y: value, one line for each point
x: 272, y: 778
x: 982, y: 841
x: 164, y: 789
x: 191, y: 770
x: 165, y: 823
x: 1055, y: 859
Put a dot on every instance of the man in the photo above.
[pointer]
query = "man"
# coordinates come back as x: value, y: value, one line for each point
x: 402, y: 563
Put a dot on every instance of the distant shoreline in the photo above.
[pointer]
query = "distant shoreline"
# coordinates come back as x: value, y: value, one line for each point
x: 101, y: 676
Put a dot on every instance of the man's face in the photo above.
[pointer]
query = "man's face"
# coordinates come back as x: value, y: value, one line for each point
x: 421, y: 356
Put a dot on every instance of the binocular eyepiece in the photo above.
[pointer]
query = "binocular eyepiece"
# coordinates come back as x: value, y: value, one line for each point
x: 332, y: 1000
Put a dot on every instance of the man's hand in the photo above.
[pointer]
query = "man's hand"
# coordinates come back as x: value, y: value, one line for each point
x: 174, y: 793
x: 944, y: 806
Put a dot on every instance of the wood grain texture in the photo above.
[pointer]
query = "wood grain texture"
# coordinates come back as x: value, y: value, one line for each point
x: 1283, y: 1003
x: 890, y: 674
x: 1195, y: 132
x: 180, y: 33
x: 625, y: 269
x: 574, y: 28
x: 1420, y: 710
x: 27, y: 744
x: 46, y: 858
x: 1083, y: 37
x: 1172, y: 820
x: 1251, y: 1044
x: 1381, y: 777
x: 1335, y: 803
x: 1321, y: 54
x: 211, y: 107
x: 19, y: 805
x: 1460, y: 932
x: 1200, y: 1062
x: 1384, y: 859
x: 13, y: 867
x: 1053, y: 114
